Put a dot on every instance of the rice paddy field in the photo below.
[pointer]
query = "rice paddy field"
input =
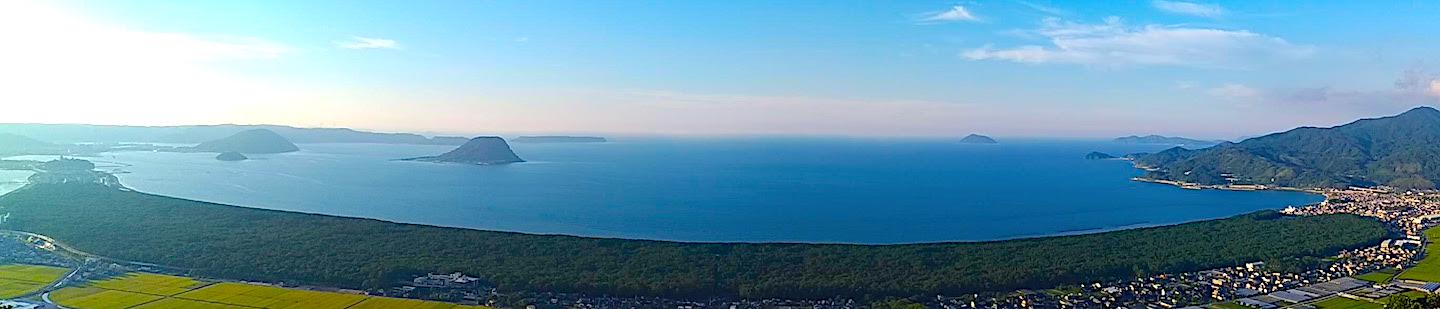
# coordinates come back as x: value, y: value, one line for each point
x: 96, y: 298
x: 151, y: 291
x: 17, y: 280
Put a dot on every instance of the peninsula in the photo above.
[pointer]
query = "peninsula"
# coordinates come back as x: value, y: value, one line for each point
x: 484, y: 150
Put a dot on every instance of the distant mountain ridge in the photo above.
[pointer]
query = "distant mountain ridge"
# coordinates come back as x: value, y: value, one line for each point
x: 1401, y: 151
x: 73, y: 133
x: 1166, y: 140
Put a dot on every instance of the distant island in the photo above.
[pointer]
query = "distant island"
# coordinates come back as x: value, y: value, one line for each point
x: 1167, y: 140
x: 559, y: 139
x: 1400, y: 151
x: 257, y: 141
x: 484, y: 150
x: 231, y: 156
x: 977, y: 139
x: 1096, y: 155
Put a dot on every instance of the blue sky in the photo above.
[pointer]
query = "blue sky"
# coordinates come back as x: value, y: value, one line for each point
x: 874, y: 68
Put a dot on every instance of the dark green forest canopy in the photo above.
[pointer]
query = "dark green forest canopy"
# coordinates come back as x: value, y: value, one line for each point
x: 254, y: 244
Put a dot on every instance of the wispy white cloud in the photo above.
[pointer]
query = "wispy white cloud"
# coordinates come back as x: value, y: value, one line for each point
x: 368, y: 43
x: 1113, y: 43
x: 1189, y: 8
x: 1234, y: 91
x: 1044, y: 8
x: 954, y: 14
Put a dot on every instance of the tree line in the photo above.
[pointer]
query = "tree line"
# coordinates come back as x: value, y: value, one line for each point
x: 267, y: 245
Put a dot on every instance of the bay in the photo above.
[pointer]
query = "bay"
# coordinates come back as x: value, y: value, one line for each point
x: 816, y: 190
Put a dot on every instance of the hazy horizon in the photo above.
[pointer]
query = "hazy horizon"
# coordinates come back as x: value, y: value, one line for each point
x: 1210, y: 69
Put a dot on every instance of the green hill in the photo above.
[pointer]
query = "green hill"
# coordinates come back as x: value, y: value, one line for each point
x: 1401, y: 151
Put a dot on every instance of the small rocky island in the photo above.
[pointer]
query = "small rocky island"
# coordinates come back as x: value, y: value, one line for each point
x: 484, y: 150
x: 1096, y: 155
x: 231, y: 156
x: 559, y: 139
x: 977, y: 139
x: 257, y: 141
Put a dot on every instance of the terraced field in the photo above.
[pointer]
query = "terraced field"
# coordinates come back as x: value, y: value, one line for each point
x: 151, y: 291
x: 17, y: 280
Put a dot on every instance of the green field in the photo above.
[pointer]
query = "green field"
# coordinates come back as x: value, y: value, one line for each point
x: 17, y: 280
x: 1346, y: 303
x: 1429, y: 269
x: 1377, y: 277
x: 1228, y: 305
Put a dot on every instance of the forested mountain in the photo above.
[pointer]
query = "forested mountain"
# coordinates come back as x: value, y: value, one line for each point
x: 1401, y: 151
x: 255, y: 244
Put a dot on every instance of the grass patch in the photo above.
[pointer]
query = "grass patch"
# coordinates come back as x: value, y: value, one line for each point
x: 1229, y: 305
x: 1429, y: 268
x: 1377, y: 277
x: 1346, y: 303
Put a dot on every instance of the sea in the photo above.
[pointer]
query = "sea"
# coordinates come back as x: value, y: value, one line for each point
x: 811, y: 190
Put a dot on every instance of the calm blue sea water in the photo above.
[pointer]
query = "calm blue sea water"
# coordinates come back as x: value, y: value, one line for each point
x: 759, y: 190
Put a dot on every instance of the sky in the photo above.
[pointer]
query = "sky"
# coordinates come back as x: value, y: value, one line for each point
x: 1081, y: 69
